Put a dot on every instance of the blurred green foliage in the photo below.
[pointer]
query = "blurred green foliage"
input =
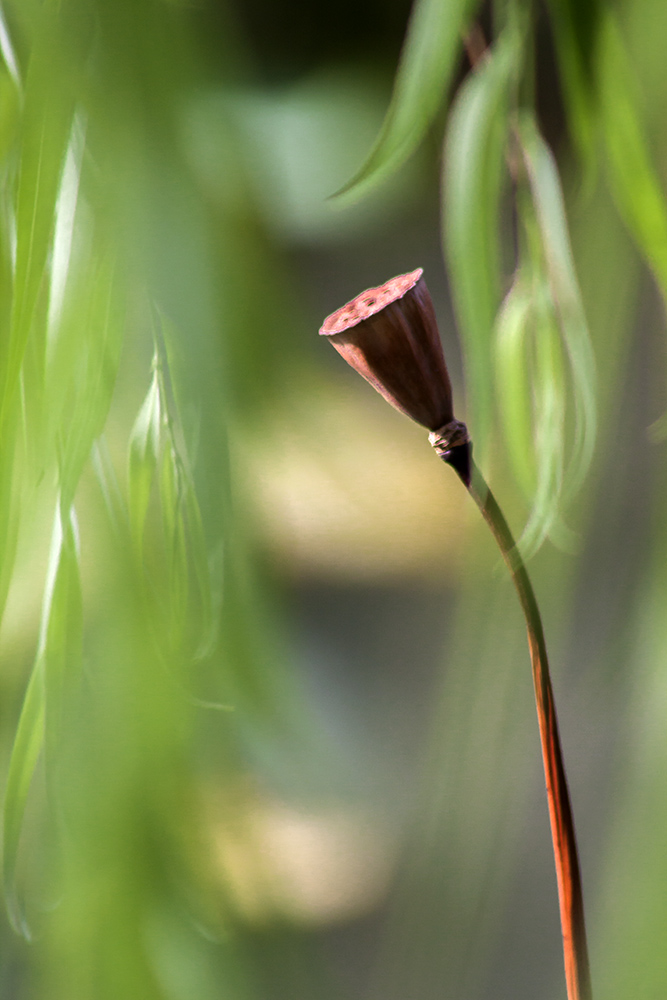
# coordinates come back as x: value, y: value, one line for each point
x: 200, y: 798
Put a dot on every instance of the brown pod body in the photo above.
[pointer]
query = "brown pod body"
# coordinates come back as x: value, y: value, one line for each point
x: 390, y: 336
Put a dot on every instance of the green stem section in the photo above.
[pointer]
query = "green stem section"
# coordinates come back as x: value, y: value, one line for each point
x: 575, y: 951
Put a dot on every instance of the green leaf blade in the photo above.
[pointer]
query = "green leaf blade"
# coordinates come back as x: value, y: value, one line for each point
x: 552, y: 220
x: 512, y: 382
x: 144, y: 450
x: 473, y: 165
x: 576, y: 27
x: 634, y: 182
x: 25, y: 753
x: 425, y: 70
x: 47, y: 121
x: 62, y: 626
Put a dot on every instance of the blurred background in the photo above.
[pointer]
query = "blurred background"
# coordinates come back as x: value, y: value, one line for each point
x: 267, y: 726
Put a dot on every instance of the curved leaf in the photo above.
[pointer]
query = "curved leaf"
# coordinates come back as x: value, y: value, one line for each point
x: 424, y: 72
x: 58, y: 657
x: 143, y: 454
x: 7, y: 51
x: 550, y: 210
x: 549, y: 408
x: 47, y: 121
x: 186, y: 549
x: 576, y: 27
x: 25, y: 752
x: 531, y: 388
x: 62, y: 625
x: 513, y: 384
x: 88, y: 359
x: 634, y: 182
x: 473, y: 165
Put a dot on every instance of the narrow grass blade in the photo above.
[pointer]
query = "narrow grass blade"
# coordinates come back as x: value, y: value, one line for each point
x: 88, y: 361
x: 144, y: 450
x: 105, y: 475
x: 61, y: 627
x: 175, y: 576
x: 576, y: 28
x: 10, y: 508
x: 513, y: 382
x: 549, y: 390
x: 65, y: 216
x: 25, y: 752
x: 179, y: 502
x: 425, y: 69
x: 207, y: 617
x: 634, y: 181
x: 7, y: 51
x: 550, y: 210
x: 57, y: 661
x: 186, y: 552
x: 47, y: 118
x: 473, y: 165
x: 633, y: 178
x: 531, y: 391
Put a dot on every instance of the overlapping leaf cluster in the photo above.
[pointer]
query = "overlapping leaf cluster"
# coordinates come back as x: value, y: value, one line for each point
x: 89, y: 130
x: 528, y: 354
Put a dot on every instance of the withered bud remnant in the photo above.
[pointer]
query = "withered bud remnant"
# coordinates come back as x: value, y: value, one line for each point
x: 390, y: 336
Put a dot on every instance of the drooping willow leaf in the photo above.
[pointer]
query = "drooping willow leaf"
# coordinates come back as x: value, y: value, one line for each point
x: 633, y: 179
x: 27, y: 746
x: 473, y: 164
x: 56, y: 665
x: 47, y: 121
x: 144, y: 449
x: 513, y: 388
x: 576, y: 29
x: 532, y: 391
x: 425, y: 69
x: 550, y: 212
x: 549, y: 392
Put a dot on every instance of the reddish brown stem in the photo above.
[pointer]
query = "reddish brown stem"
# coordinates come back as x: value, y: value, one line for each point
x: 575, y: 950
